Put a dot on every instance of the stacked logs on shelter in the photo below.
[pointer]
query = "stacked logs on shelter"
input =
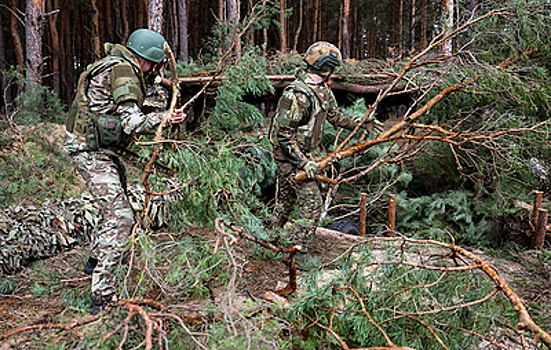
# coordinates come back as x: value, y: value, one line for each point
x: 373, y: 83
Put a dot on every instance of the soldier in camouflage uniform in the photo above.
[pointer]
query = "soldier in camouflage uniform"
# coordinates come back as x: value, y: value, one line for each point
x: 105, y: 113
x: 296, y: 136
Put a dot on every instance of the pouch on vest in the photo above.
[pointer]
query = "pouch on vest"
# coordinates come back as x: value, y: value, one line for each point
x: 109, y: 131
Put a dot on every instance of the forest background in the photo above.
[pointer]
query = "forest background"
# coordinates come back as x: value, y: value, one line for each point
x: 463, y: 89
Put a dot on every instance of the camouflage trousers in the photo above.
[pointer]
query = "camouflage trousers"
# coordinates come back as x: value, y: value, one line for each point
x: 306, y: 194
x: 104, y: 175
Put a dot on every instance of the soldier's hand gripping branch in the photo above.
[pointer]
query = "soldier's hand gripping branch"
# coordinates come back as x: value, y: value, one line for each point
x: 371, y: 124
x: 311, y: 169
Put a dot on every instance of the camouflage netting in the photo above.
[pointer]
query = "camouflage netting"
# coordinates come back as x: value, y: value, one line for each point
x: 30, y: 233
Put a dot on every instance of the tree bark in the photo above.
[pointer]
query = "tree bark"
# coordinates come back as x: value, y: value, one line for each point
x: 447, y: 25
x: 401, y: 29
x: 283, y: 25
x: 4, y: 95
x: 108, y: 22
x: 232, y: 11
x: 126, y: 25
x: 424, y: 25
x: 299, y: 26
x: 155, y: 16
x: 183, y: 29
x: 412, y: 26
x: 174, y: 39
x: 67, y: 68
x: 264, y: 40
x: 53, y: 5
x: 95, y: 30
x: 18, y: 46
x: 345, y: 49
x: 317, y: 19
x: 34, y: 29
x: 232, y: 7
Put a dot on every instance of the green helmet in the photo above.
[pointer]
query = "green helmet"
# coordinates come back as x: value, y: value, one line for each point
x: 147, y: 44
x: 321, y: 54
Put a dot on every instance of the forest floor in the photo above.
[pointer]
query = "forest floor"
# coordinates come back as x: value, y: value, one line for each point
x: 530, y: 279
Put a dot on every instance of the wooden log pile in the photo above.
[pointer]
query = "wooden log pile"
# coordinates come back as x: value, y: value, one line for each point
x: 376, y: 83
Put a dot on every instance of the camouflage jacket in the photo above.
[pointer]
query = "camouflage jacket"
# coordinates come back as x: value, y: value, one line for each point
x: 102, y: 102
x: 298, y: 124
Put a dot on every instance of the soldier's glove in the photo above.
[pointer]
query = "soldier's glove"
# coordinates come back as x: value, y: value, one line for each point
x: 371, y: 124
x: 311, y: 169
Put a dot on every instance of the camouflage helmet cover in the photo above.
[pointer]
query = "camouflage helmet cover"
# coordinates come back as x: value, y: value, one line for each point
x: 323, y: 53
x: 147, y: 44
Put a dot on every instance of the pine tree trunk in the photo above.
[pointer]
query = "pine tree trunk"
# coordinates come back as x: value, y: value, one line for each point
x: 345, y: 30
x: 108, y: 21
x: 54, y: 39
x: 174, y: 29
x: 264, y: 40
x: 401, y: 30
x: 339, y: 29
x: 4, y: 93
x: 68, y: 76
x: 299, y: 25
x: 101, y: 23
x: 126, y: 25
x: 232, y: 11
x: 283, y: 26
x: 183, y: 29
x: 412, y: 26
x: 117, y: 25
x: 447, y: 24
x: 139, y: 19
x: 232, y: 7
x: 424, y: 25
x: 95, y: 30
x: 155, y: 16
x: 354, y: 46
x: 18, y: 46
x: 317, y: 18
x: 34, y: 29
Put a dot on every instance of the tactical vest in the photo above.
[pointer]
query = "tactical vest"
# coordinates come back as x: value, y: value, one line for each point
x: 309, y: 135
x: 99, y: 129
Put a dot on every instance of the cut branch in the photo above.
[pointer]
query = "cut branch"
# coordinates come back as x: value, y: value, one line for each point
x: 389, y: 134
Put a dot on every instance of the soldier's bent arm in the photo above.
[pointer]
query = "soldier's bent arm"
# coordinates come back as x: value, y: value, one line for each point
x: 286, y: 138
x: 293, y: 110
x: 337, y: 118
x: 134, y: 121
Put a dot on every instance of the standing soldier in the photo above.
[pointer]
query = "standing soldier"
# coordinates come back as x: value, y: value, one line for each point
x: 104, y: 115
x: 297, y: 134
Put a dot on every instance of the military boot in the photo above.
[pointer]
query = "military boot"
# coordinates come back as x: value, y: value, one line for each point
x: 90, y: 265
x: 101, y: 303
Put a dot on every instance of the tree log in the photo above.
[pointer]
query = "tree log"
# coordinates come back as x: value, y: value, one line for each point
x: 282, y: 81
